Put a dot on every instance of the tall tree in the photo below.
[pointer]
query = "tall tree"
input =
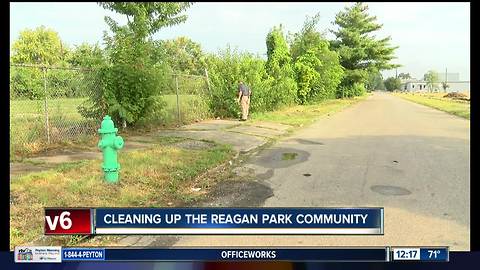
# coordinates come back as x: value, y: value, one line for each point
x: 41, y: 46
x: 307, y: 38
x: 279, y: 66
x: 404, y: 76
x: 431, y: 77
x: 375, y: 81
x: 318, y: 71
x: 146, y: 18
x: 86, y: 55
x: 130, y: 82
x: 278, y: 54
x: 392, y: 84
x: 182, y: 55
x: 360, y: 51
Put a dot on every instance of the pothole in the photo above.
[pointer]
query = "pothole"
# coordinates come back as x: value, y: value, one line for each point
x: 289, y: 156
x: 280, y: 157
x: 307, y: 174
x: 390, y: 190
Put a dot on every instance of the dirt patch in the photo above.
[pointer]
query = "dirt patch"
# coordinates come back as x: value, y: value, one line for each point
x: 61, y: 151
x: 17, y: 169
x: 457, y: 95
x: 194, y: 145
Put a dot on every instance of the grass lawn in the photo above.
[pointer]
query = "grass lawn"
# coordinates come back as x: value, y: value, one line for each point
x: 301, y: 115
x: 157, y: 177
x: 27, y: 119
x: 192, y: 107
x: 436, y: 100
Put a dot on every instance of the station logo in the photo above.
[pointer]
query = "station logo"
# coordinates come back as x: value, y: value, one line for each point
x: 38, y: 254
x: 24, y: 254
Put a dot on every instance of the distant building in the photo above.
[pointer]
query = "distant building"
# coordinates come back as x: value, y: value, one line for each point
x: 451, y: 77
x: 453, y: 82
x: 413, y: 85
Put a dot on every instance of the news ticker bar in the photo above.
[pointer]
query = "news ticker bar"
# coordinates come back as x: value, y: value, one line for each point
x: 88, y: 221
x: 325, y: 254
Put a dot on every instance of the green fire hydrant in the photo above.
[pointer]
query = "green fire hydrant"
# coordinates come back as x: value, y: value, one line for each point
x: 109, y: 144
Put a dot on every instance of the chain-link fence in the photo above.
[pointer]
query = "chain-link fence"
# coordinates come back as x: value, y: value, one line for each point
x: 184, y: 98
x: 45, y: 103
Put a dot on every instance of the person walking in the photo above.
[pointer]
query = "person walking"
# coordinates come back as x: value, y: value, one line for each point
x: 244, y: 94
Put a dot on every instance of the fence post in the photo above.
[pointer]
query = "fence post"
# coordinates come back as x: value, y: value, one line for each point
x: 47, y: 125
x: 178, y: 103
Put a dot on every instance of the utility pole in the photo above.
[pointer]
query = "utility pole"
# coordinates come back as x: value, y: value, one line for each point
x: 396, y: 76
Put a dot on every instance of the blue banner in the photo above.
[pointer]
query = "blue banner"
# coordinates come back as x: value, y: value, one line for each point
x: 379, y: 254
x: 434, y: 254
x: 83, y: 254
x: 239, y: 221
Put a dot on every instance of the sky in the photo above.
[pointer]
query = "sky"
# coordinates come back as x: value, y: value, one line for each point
x: 430, y: 36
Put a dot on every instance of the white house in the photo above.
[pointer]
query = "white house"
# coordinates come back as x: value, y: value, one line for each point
x: 415, y: 85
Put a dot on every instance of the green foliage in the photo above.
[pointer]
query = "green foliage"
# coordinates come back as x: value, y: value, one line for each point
x: 146, y: 18
x: 129, y: 80
x: 43, y: 47
x: 278, y: 62
x: 318, y: 70
x: 358, y: 47
x: 66, y: 83
x: 280, y: 68
x: 86, y: 56
x: 392, y: 84
x: 306, y: 74
x: 349, y: 91
x: 26, y: 83
x: 225, y: 69
x: 38, y: 46
x: 182, y: 55
x: 431, y: 77
x: 353, y: 83
x: 375, y: 81
x: 307, y: 38
x: 404, y: 76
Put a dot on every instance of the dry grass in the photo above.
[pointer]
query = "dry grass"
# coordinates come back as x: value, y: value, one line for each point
x: 156, y: 177
x: 301, y: 115
x: 436, y: 100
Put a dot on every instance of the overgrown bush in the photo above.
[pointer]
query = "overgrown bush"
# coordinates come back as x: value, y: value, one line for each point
x: 279, y: 67
x: 128, y: 83
x: 353, y: 83
x: 318, y: 70
x: 26, y: 83
x: 225, y: 69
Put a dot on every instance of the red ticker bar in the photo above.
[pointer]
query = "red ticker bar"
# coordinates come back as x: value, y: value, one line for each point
x: 68, y: 221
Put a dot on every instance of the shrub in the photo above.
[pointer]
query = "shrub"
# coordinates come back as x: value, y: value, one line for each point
x: 279, y: 67
x: 225, y: 69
